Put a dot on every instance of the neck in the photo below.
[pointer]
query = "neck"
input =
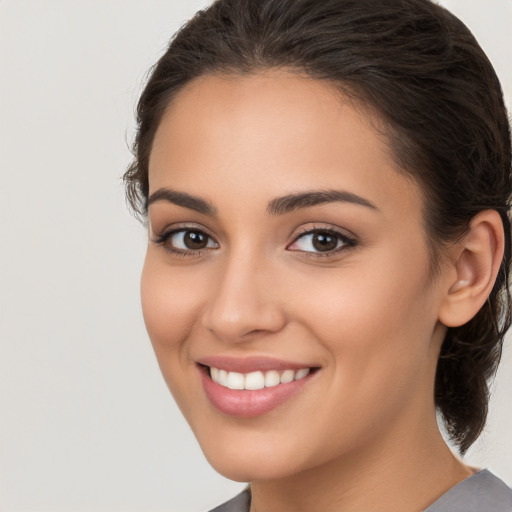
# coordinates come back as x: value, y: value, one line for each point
x: 407, y: 470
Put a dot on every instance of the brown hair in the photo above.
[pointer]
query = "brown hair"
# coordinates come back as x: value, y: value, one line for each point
x: 421, y: 70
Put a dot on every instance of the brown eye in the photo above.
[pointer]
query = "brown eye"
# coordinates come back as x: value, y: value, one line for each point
x: 321, y: 241
x: 324, y: 242
x: 187, y: 240
x: 195, y: 240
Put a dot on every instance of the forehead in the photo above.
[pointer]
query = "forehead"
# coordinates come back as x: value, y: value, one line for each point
x: 273, y: 132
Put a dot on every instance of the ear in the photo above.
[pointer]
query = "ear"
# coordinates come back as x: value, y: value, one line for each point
x: 474, y: 265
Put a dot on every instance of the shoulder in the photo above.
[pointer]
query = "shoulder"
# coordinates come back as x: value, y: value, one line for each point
x: 480, y: 492
x: 240, y: 503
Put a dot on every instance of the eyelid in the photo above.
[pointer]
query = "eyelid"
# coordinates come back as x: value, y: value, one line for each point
x: 349, y: 241
x: 169, y: 231
x: 320, y: 227
x: 179, y: 226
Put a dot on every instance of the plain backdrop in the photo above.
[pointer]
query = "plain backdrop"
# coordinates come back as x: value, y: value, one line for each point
x: 86, y: 422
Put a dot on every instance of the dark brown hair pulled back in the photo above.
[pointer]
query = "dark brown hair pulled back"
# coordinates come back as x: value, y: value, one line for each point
x: 421, y: 70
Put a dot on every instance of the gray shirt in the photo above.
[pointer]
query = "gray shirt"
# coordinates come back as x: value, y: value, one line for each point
x: 481, y: 492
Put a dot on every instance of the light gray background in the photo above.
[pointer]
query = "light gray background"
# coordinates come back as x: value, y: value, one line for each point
x: 86, y: 423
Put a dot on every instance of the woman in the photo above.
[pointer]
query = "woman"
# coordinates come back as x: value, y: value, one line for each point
x: 326, y: 186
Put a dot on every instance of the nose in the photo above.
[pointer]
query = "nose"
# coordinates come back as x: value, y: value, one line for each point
x: 244, y: 303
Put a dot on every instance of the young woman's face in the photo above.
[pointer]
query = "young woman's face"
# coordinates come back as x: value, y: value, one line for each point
x: 285, y: 245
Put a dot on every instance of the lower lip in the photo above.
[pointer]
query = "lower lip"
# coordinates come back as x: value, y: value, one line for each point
x: 248, y: 404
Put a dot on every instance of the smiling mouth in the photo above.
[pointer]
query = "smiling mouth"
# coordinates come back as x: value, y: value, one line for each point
x: 256, y: 380
x: 253, y: 393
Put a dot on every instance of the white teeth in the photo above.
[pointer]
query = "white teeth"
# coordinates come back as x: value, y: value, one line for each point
x: 215, y: 374
x: 287, y: 376
x: 223, y: 378
x: 272, y: 379
x: 300, y: 374
x: 236, y: 380
x: 256, y: 380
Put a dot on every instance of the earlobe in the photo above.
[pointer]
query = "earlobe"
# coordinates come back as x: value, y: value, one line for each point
x: 476, y: 262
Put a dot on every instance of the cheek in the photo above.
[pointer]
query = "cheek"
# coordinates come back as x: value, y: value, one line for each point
x: 371, y: 303
x: 169, y: 305
x: 377, y: 335
x: 376, y: 324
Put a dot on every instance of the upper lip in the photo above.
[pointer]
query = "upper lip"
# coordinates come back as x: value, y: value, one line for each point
x: 250, y: 364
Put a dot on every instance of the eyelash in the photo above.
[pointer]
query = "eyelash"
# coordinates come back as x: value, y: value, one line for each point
x: 164, y: 237
x: 347, y: 242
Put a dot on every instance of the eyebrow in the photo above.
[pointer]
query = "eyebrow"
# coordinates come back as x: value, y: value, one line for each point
x: 182, y: 199
x: 301, y: 200
x: 277, y: 206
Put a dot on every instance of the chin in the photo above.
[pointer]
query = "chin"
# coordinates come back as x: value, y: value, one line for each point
x: 247, y: 471
x: 248, y: 465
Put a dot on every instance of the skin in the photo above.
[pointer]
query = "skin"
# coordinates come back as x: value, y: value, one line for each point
x: 362, y: 434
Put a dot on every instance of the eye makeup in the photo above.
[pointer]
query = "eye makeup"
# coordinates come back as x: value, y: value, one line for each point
x: 321, y: 242
x: 315, y: 242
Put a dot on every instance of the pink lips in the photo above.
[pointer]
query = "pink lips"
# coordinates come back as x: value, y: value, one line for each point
x: 244, y: 403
